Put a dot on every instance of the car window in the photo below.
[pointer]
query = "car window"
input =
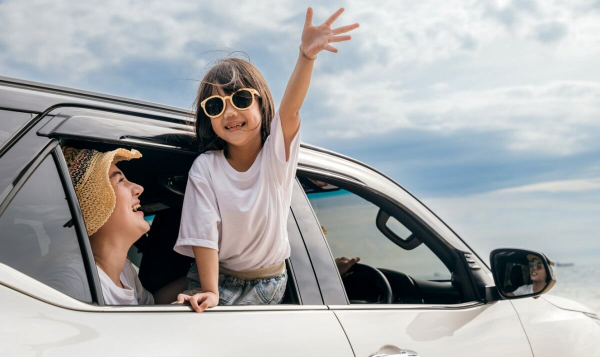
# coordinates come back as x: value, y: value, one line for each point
x: 349, y: 224
x: 38, y: 236
x: 10, y: 122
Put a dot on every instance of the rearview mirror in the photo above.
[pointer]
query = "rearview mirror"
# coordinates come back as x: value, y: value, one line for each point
x: 521, y: 273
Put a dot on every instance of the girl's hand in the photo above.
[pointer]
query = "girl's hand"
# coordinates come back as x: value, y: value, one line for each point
x: 318, y: 38
x: 199, y: 302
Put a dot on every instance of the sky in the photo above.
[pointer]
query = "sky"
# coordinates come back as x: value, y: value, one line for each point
x: 485, y: 110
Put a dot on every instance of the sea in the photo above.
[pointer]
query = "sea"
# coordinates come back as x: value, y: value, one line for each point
x: 580, y: 283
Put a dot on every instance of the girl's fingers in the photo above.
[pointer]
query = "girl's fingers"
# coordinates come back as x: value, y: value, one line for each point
x: 194, y: 302
x: 345, y: 29
x: 331, y: 49
x: 181, y: 298
x: 339, y: 39
x: 204, y: 305
x: 309, y: 16
x: 334, y: 17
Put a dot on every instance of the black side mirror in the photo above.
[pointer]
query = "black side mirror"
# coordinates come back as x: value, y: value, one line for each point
x: 521, y: 273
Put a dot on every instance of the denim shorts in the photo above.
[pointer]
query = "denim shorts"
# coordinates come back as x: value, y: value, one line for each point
x: 236, y: 291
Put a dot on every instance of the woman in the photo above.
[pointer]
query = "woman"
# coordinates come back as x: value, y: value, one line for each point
x: 537, y: 276
x: 110, y: 206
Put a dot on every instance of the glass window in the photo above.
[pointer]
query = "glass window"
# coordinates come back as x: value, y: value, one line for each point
x: 38, y: 237
x: 10, y: 122
x: 350, y: 226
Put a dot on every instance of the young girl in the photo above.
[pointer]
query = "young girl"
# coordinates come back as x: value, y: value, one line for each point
x: 239, y: 191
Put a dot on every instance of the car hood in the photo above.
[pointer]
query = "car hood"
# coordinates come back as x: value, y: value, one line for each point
x: 567, y: 304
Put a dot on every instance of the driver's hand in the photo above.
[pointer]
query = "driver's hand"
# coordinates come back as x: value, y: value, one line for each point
x: 344, y: 264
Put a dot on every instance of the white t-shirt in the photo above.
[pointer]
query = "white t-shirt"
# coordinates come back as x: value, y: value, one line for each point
x: 133, y: 294
x: 243, y: 215
x: 524, y: 290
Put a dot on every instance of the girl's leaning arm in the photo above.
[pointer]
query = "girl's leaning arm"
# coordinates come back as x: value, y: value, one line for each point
x: 314, y: 40
x: 207, y: 260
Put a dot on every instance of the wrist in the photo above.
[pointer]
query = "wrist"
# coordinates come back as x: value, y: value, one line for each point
x: 305, y: 56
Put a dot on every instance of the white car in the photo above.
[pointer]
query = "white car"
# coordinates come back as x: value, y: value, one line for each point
x: 419, y: 290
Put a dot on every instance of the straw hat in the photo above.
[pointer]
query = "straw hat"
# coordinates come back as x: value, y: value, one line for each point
x: 89, y: 171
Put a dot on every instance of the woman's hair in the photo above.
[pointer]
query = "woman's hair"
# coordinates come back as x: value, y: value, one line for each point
x: 231, y: 74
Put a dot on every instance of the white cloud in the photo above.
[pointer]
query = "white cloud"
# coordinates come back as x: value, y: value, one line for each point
x: 76, y: 37
x: 509, y: 67
x: 558, y: 118
x: 557, y: 186
x: 525, y: 69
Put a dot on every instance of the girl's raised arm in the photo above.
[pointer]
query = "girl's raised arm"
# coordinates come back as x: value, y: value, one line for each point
x: 314, y: 40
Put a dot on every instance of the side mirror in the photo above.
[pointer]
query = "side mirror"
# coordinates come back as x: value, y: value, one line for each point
x: 521, y: 273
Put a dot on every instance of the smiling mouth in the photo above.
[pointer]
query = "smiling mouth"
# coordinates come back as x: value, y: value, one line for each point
x: 234, y: 126
x: 136, y: 207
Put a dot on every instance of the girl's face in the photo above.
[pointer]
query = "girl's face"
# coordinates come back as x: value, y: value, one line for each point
x: 125, y: 218
x: 238, y: 128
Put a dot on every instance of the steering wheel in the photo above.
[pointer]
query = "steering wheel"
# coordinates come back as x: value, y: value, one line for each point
x: 360, y: 276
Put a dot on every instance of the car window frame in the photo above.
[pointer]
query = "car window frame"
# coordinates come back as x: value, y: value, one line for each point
x: 77, y: 216
x: 354, y: 186
x: 52, y: 149
x: 301, y: 272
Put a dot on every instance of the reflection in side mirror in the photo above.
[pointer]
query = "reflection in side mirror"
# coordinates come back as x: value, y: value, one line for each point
x: 521, y: 273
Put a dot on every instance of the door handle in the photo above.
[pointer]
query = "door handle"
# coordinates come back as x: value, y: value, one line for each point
x: 393, y: 351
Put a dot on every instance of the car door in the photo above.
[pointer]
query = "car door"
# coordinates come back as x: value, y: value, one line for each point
x: 51, y: 297
x: 346, y: 204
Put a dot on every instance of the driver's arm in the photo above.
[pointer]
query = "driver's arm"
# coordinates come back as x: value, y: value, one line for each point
x: 344, y: 264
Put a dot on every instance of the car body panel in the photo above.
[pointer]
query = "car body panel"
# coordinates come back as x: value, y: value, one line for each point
x: 479, y: 330
x: 553, y: 331
x: 31, y: 327
x: 566, y: 304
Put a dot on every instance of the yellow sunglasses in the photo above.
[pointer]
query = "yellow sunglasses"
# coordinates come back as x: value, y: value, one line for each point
x: 242, y: 99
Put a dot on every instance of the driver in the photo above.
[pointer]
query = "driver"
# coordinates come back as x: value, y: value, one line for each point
x: 344, y: 264
x: 110, y: 206
x: 537, y: 275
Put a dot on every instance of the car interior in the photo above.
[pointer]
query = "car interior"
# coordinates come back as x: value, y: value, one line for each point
x: 372, y: 283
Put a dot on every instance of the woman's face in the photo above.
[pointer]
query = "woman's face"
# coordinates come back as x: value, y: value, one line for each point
x: 537, y: 271
x: 226, y: 125
x: 125, y: 218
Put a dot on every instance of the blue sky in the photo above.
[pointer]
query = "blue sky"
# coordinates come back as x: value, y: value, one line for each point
x: 486, y: 110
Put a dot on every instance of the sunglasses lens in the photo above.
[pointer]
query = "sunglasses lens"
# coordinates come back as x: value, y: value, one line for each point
x: 242, y: 99
x: 214, y: 106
